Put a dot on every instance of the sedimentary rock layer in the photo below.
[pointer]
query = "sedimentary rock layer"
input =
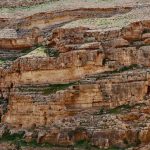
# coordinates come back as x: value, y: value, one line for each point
x: 79, y: 84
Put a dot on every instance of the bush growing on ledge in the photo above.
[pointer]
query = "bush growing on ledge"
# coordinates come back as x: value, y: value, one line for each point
x: 53, y: 88
x: 119, y: 109
x: 47, y: 89
x: 39, y: 51
x: 3, y: 61
x: 52, y: 52
x: 12, y: 137
x: 85, y: 144
x: 18, y: 140
x: 33, y: 143
x: 124, y: 68
x: 1, y: 100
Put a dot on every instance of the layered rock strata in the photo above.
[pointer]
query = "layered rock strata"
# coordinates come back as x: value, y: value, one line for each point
x: 76, y: 85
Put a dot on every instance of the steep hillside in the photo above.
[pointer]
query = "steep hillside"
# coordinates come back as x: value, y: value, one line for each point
x: 75, y: 75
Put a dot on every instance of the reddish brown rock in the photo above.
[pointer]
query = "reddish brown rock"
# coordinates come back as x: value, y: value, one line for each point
x: 133, y: 31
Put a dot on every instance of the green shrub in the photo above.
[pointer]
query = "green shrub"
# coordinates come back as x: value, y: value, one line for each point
x: 83, y: 144
x: 52, y: 52
x: 12, y: 137
x: 17, y: 139
x: 53, y: 88
x: 119, y: 109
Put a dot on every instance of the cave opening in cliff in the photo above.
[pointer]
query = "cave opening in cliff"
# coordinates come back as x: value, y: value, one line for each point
x: 11, y: 85
x: 148, y: 90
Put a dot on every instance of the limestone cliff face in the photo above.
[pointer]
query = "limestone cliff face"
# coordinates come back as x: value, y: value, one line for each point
x: 95, y: 92
x: 78, y: 58
x: 30, y: 29
x: 76, y: 84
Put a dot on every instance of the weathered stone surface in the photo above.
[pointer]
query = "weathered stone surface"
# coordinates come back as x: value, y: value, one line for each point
x: 81, y: 85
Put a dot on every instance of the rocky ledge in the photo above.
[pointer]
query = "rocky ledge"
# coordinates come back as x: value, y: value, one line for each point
x: 75, y: 78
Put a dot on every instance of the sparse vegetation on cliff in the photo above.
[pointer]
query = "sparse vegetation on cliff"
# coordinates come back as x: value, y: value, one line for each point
x: 79, y: 75
x: 124, y: 68
x: 38, y: 52
x: 53, y: 88
x: 6, y: 60
x: 120, y: 109
x: 99, y: 22
x: 84, y: 144
x: 1, y: 62
x: 52, y: 52
x: 47, y: 89
x: 18, y: 140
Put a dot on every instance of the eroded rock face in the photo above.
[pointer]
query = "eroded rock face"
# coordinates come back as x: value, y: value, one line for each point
x: 12, y: 3
x: 78, y: 58
x: 107, y: 92
x: 87, y: 85
x: 26, y: 28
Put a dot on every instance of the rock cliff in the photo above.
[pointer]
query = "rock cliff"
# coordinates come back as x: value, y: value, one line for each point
x: 75, y: 78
